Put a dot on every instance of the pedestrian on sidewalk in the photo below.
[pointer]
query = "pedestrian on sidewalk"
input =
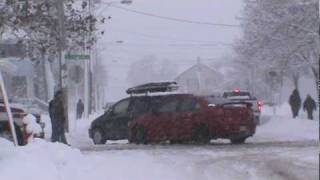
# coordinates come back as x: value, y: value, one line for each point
x: 80, y: 109
x: 295, y: 103
x: 309, y: 105
x: 56, y: 112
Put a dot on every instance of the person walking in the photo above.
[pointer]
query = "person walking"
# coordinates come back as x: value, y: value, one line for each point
x: 295, y: 102
x: 309, y: 105
x: 80, y: 109
x: 56, y: 112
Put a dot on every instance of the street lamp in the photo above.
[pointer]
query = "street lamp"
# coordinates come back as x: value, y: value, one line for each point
x: 126, y: 2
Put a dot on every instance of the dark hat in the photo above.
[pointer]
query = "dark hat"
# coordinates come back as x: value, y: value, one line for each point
x: 59, y: 92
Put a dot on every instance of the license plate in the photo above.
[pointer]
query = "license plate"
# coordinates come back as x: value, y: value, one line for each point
x: 243, y: 128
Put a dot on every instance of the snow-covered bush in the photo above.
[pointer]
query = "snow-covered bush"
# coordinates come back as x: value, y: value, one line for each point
x: 32, y: 127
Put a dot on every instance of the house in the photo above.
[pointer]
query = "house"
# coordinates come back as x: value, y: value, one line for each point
x: 200, y: 79
x: 18, y: 76
x: 18, y: 73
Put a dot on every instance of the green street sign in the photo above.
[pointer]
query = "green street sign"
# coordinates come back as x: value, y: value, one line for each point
x: 77, y: 56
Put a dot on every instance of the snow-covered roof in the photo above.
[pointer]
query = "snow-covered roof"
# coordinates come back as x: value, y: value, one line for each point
x: 201, y: 68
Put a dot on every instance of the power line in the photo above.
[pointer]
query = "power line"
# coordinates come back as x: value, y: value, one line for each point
x: 170, y: 38
x: 175, y: 19
x: 176, y: 45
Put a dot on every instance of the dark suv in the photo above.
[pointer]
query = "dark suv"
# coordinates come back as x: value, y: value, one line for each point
x: 113, y: 124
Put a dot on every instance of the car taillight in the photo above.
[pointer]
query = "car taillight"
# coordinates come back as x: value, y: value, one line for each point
x: 237, y: 90
x: 259, y: 105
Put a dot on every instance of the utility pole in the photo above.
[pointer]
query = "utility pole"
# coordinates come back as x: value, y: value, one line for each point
x: 62, y: 64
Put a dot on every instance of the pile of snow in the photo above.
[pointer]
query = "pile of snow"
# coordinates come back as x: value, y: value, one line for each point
x: 32, y: 126
x: 282, y: 127
x: 41, y: 160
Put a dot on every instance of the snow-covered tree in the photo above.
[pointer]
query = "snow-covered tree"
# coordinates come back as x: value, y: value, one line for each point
x: 280, y: 37
x: 36, y: 24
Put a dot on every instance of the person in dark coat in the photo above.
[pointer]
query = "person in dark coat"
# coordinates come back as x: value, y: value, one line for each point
x: 80, y: 109
x: 56, y: 112
x: 309, y: 105
x: 295, y: 102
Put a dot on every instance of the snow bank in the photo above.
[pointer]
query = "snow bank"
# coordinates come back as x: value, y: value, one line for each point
x: 282, y: 127
x: 40, y: 160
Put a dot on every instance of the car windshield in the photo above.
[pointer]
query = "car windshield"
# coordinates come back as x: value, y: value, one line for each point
x: 237, y: 95
x: 216, y: 100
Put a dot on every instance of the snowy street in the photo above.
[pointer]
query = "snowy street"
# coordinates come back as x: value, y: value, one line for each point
x: 275, y: 152
x: 159, y: 90
x: 282, y: 160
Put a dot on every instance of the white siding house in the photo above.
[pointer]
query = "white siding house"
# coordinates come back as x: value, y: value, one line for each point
x: 200, y: 79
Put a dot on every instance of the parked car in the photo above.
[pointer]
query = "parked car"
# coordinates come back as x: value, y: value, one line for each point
x: 186, y: 117
x: 174, y: 117
x: 245, y: 96
x: 113, y: 124
x: 19, y: 111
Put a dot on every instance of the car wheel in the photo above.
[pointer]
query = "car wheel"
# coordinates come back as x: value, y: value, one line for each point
x: 98, y: 136
x: 238, y: 140
x: 140, y: 135
x: 200, y: 134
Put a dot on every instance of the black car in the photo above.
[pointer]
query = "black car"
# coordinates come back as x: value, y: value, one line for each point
x: 113, y: 124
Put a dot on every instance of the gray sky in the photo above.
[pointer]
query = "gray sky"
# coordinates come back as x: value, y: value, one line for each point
x: 179, y: 42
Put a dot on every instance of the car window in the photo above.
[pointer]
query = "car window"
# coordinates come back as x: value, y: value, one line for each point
x: 189, y: 105
x: 168, y: 105
x: 121, y: 107
x: 140, y: 106
x: 237, y: 95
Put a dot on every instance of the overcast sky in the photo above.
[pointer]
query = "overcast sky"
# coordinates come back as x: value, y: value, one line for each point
x: 177, y: 41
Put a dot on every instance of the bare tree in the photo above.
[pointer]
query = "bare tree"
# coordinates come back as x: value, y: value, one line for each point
x: 280, y: 36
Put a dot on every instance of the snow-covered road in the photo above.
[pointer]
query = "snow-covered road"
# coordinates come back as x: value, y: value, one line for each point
x: 268, y: 160
x: 282, y: 149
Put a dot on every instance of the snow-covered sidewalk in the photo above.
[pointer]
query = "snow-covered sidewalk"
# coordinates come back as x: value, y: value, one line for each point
x: 282, y: 127
x: 53, y: 161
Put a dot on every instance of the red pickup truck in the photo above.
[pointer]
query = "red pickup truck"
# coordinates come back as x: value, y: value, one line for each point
x: 186, y: 117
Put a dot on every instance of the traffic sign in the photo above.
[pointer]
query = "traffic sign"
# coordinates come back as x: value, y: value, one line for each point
x: 77, y: 56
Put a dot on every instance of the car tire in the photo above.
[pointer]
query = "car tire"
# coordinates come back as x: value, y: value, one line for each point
x: 200, y: 134
x: 98, y: 136
x: 238, y: 140
x: 140, y: 135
